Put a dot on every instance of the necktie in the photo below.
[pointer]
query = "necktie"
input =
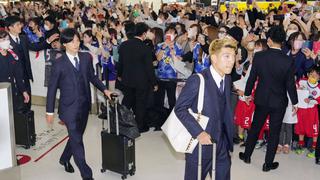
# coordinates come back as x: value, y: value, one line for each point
x: 77, y: 65
x: 221, y: 86
x: 17, y: 40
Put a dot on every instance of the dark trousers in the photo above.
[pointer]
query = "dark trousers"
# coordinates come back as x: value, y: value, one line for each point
x: 136, y: 99
x: 75, y: 145
x: 223, y: 164
x: 170, y: 88
x: 259, y: 118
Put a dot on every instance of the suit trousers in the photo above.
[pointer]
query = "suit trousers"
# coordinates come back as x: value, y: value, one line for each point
x: 75, y: 145
x: 223, y: 164
x: 170, y: 88
x: 136, y: 99
x: 275, y: 123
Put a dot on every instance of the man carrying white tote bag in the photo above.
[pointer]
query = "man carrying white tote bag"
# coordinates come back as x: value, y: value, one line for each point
x: 216, y: 109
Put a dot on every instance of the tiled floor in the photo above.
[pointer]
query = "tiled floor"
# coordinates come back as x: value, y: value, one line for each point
x: 156, y: 160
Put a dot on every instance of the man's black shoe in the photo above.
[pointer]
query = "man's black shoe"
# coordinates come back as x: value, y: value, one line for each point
x: 268, y: 167
x: 318, y: 161
x: 244, y: 158
x: 67, y: 166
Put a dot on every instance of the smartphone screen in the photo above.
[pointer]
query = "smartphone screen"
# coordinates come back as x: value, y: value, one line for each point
x: 307, y: 44
x: 168, y: 37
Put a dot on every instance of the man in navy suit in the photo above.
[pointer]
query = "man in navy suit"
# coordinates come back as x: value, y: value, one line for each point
x: 275, y: 73
x: 21, y: 46
x: 216, y: 106
x: 72, y: 74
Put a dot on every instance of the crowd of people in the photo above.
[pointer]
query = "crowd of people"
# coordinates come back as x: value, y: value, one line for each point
x: 148, y: 55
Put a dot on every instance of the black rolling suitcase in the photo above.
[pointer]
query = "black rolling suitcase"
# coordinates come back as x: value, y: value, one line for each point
x: 24, y: 128
x: 118, y: 151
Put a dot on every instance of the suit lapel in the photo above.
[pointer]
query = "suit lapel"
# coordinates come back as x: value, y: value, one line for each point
x: 213, y: 90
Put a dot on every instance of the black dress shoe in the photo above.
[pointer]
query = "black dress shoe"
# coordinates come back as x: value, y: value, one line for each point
x: 318, y: 161
x: 268, y: 167
x: 244, y: 158
x: 88, y: 179
x: 67, y: 166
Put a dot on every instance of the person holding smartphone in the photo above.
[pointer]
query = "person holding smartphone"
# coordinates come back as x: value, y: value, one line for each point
x: 304, y: 58
x: 166, y: 53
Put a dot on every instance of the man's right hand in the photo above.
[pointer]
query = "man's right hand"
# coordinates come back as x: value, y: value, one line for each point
x: 204, y: 138
x: 49, y: 118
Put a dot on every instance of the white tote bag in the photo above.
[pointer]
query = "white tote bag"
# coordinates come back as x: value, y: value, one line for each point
x: 179, y: 137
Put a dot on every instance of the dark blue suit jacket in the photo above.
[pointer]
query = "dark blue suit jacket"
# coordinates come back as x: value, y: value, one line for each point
x: 63, y: 77
x: 189, y: 99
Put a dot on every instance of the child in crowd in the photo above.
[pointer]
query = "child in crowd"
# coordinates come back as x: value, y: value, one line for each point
x: 286, y: 130
x: 308, y: 120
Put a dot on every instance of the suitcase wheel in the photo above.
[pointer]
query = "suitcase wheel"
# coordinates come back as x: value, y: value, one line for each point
x: 102, y: 170
x: 132, y: 173
x: 123, y: 177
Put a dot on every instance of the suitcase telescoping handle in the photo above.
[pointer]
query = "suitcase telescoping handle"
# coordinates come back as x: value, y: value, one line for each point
x: 214, y: 150
x: 114, y: 99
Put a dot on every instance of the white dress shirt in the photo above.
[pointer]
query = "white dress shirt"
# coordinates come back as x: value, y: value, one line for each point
x: 217, y: 78
x: 15, y: 38
x: 71, y: 59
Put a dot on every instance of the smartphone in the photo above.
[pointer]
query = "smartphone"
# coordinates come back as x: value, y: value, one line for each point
x: 278, y: 17
x: 307, y: 44
x: 169, y: 37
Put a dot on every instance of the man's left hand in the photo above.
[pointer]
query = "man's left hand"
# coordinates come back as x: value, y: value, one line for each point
x: 26, y: 97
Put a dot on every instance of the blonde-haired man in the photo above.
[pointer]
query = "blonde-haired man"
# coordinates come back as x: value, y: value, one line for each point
x: 216, y: 107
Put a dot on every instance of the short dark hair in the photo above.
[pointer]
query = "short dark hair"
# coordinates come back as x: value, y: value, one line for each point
x: 141, y: 28
x: 129, y: 27
x: 263, y: 43
x: 314, y: 68
x: 88, y: 33
x: 11, y: 20
x: 171, y: 27
x: 51, y: 19
x: 67, y: 35
x: 277, y: 34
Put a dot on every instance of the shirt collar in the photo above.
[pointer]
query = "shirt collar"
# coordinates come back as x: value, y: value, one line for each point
x: 275, y: 48
x: 14, y: 37
x: 216, y: 76
x: 71, y: 57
